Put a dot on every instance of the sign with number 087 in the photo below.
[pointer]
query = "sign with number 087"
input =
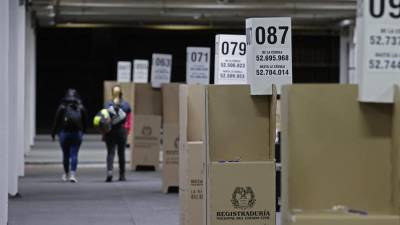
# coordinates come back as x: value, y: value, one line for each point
x: 378, y: 49
x: 230, y: 59
x: 198, y: 65
x: 161, y: 69
x: 269, y: 53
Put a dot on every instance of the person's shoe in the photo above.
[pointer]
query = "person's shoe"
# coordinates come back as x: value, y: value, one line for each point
x: 122, y: 178
x: 73, y: 179
x: 109, y: 179
x: 65, y: 177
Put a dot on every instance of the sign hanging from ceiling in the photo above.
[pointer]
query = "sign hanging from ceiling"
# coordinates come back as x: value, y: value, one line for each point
x: 124, y: 71
x: 269, y: 53
x: 198, y: 65
x: 230, y: 59
x: 161, y: 69
x: 140, y: 71
x: 378, y: 49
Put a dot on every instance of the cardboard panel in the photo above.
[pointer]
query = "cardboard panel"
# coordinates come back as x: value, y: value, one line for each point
x: 170, y: 98
x: 345, y: 219
x: 148, y: 100
x: 128, y: 93
x: 245, y: 195
x: 191, y: 190
x: 170, y: 173
x: 146, y: 150
x: 239, y: 125
x: 336, y: 151
x: 196, y: 110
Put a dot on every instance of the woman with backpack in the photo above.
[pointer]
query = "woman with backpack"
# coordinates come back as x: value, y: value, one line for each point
x: 70, y: 124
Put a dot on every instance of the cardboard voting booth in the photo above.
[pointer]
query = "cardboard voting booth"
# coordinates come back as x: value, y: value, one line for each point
x: 147, y: 126
x: 191, y: 154
x: 339, y: 158
x: 240, y: 169
x: 170, y: 163
x: 128, y: 93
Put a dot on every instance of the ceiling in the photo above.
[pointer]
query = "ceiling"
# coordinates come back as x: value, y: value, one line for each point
x: 210, y: 13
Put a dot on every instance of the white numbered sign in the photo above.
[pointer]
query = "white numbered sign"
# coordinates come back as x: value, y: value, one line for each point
x: 124, y: 71
x: 378, y: 49
x: 269, y: 53
x: 197, y: 65
x: 161, y: 69
x: 230, y: 59
x: 140, y: 71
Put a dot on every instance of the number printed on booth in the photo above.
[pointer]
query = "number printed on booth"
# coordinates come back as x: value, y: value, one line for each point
x: 198, y: 65
x: 230, y: 59
x: 161, y: 69
x: 378, y: 48
x: 269, y: 53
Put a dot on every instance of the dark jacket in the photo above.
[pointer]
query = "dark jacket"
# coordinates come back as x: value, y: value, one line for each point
x: 70, y: 98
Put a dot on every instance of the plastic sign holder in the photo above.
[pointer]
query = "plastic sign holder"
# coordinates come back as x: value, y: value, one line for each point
x: 230, y: 59
x: 378, y: 49
x: 269, y: 53
x: 161, y: 69
x: 198, y: 65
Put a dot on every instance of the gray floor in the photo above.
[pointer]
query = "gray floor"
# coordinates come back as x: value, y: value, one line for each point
x: 48, y: 201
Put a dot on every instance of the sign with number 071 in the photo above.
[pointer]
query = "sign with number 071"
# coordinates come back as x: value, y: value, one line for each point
x: 197, y: 65
x: 269, y: 53
x: 378, y: 49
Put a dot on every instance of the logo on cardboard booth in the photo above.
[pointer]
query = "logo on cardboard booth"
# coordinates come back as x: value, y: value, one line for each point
x: 146, y: 131
x: 243, y: 198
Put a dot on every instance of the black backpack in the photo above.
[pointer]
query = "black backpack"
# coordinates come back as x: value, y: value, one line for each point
x: 72, y: 117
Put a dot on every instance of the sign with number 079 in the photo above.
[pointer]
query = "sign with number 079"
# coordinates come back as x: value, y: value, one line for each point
x: 378, y: 49
x: 269, y: 53
x: 230, y: 59
x: 198, y: 65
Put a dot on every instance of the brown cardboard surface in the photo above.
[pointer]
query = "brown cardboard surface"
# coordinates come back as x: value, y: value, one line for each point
x: 345, y: 219
x: 241, y: 188
x: 170, y: 171
x: 170, y: 98
x: 128, y: 93
x: 191, y: 190
x: 148, y: 100
x: 196, y: 110
x: 146, y: 150
x: 336, y: 151
x: 239, y: 126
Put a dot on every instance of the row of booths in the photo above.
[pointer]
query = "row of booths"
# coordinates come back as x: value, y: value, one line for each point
x: 340, y: 157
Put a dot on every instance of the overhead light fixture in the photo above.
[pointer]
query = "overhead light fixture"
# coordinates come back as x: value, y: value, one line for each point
x: 50, y: 7
x: 51, y: 14
x: 346, y: 22
x: 178, y: 27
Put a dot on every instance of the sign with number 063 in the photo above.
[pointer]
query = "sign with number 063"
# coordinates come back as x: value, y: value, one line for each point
x: 269, y: 53
x: 230, y: 59
x: 378, y: 49
x: 197, y: 65
x: 161, y: 69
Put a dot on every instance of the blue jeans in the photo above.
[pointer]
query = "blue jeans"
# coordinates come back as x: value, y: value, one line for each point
x: 70, y: 143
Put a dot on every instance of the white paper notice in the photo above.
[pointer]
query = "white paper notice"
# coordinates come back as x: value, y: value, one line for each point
x: 140, y: 71
x: 269, y: 53
x: 197, y: 65
x: 161, y: 69
x: 378, y: 49
x: 124, y: 71
x: 230, y: 59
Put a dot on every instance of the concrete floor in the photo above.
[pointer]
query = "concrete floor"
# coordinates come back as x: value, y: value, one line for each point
x: 46, y: 200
